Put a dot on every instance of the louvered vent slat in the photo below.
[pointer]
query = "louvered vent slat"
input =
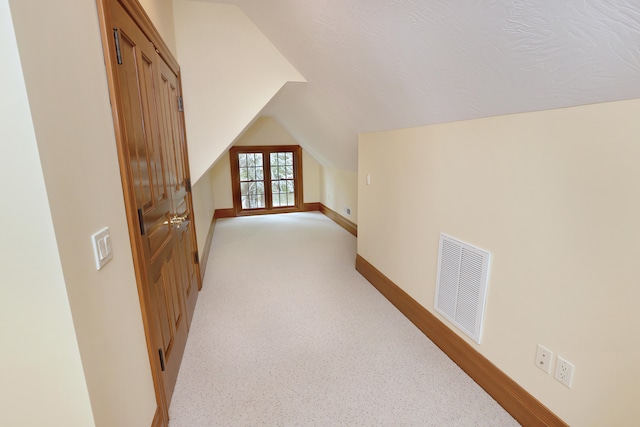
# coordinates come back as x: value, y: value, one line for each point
x: 450, y: 271
x: 461, y: 285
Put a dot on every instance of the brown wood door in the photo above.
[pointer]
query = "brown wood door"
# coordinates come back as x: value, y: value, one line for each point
x: 172, y: 133
x: 155, y: 175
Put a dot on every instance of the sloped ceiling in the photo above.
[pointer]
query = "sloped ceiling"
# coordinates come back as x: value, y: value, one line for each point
x: 386, y: 64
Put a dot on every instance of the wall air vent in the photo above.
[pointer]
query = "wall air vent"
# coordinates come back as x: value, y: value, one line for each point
x: 461, y: 285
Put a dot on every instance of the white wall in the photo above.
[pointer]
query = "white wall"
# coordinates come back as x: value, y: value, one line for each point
x: 553, y: 196
x: 265, y: 131
x: 230, y: 71
x: 68, y: 95
x: 42, y: 378
x: 339, y: 190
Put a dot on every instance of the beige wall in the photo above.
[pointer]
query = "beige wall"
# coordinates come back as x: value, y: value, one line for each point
x: 310, y: 178
x: 553, y: 196
x: 339, y: 190
x: 203, y: 208
x: 42, y: 378
x: 161, y: 14
x: 230, y: 71
x: 221, y: 182
x: 74, y: 131
x: 264, y: 131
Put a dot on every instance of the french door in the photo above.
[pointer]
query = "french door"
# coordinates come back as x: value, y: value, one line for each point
x: 266, y: 179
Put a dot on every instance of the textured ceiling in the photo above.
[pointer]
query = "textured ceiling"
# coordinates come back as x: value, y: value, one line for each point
x: 387, y: 64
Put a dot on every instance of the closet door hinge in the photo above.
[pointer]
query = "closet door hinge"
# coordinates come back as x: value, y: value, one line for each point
x: 116, y: 37
x: 141, y: 221
x: 180, y: 104
x: 187, y: 184
x: 161, y: 354
x: 196, y: 258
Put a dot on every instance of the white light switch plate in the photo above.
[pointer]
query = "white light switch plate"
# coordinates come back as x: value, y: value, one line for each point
x: 102, y: 250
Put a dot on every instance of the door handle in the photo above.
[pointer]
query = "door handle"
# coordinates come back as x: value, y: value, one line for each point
x: 178, y: 220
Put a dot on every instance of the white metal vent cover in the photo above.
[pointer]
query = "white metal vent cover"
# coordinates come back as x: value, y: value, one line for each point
x: 461, y: 285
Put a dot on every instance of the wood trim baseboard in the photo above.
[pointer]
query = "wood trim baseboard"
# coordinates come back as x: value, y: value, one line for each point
x: 339, y: 219
x: 311, y: 207
x: 224, y: 213
x: 158, y: 420
x: 231, y: 213
x: 522, y: 406
x: 207, y: 247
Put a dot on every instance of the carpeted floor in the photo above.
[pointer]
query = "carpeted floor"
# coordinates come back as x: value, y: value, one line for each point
x: 286, y: 333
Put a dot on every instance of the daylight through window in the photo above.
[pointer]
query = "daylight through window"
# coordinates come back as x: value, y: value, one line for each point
x: 266, y: 179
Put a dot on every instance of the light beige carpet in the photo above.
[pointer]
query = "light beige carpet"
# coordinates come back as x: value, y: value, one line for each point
x: 287, y: 333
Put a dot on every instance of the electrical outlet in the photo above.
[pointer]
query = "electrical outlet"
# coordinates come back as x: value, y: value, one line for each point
x: 347, y: 211
x: 564, y: 371
x: 544, y: 357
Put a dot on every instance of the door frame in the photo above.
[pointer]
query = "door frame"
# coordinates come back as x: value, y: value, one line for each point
x: 152, y: 334
x: 265, y: 149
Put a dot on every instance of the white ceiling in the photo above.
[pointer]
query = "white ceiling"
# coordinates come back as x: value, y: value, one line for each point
x: 386, y: 64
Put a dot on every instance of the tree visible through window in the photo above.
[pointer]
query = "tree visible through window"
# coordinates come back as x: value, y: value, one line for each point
x: 282, y: 179
x: 251, y: 180
x: 266, y: 179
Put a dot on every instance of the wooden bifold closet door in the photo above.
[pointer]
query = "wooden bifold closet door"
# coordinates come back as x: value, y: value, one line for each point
x: 146, y: 103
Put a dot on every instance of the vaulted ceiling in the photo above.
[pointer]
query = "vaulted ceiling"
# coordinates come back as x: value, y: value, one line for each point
x: 385, y: 64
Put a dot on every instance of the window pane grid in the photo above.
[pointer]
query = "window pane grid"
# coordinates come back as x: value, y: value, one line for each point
x: 251, y: 180
x: 274, y: 188
x: 282, y: 184
x: 283, y: 192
